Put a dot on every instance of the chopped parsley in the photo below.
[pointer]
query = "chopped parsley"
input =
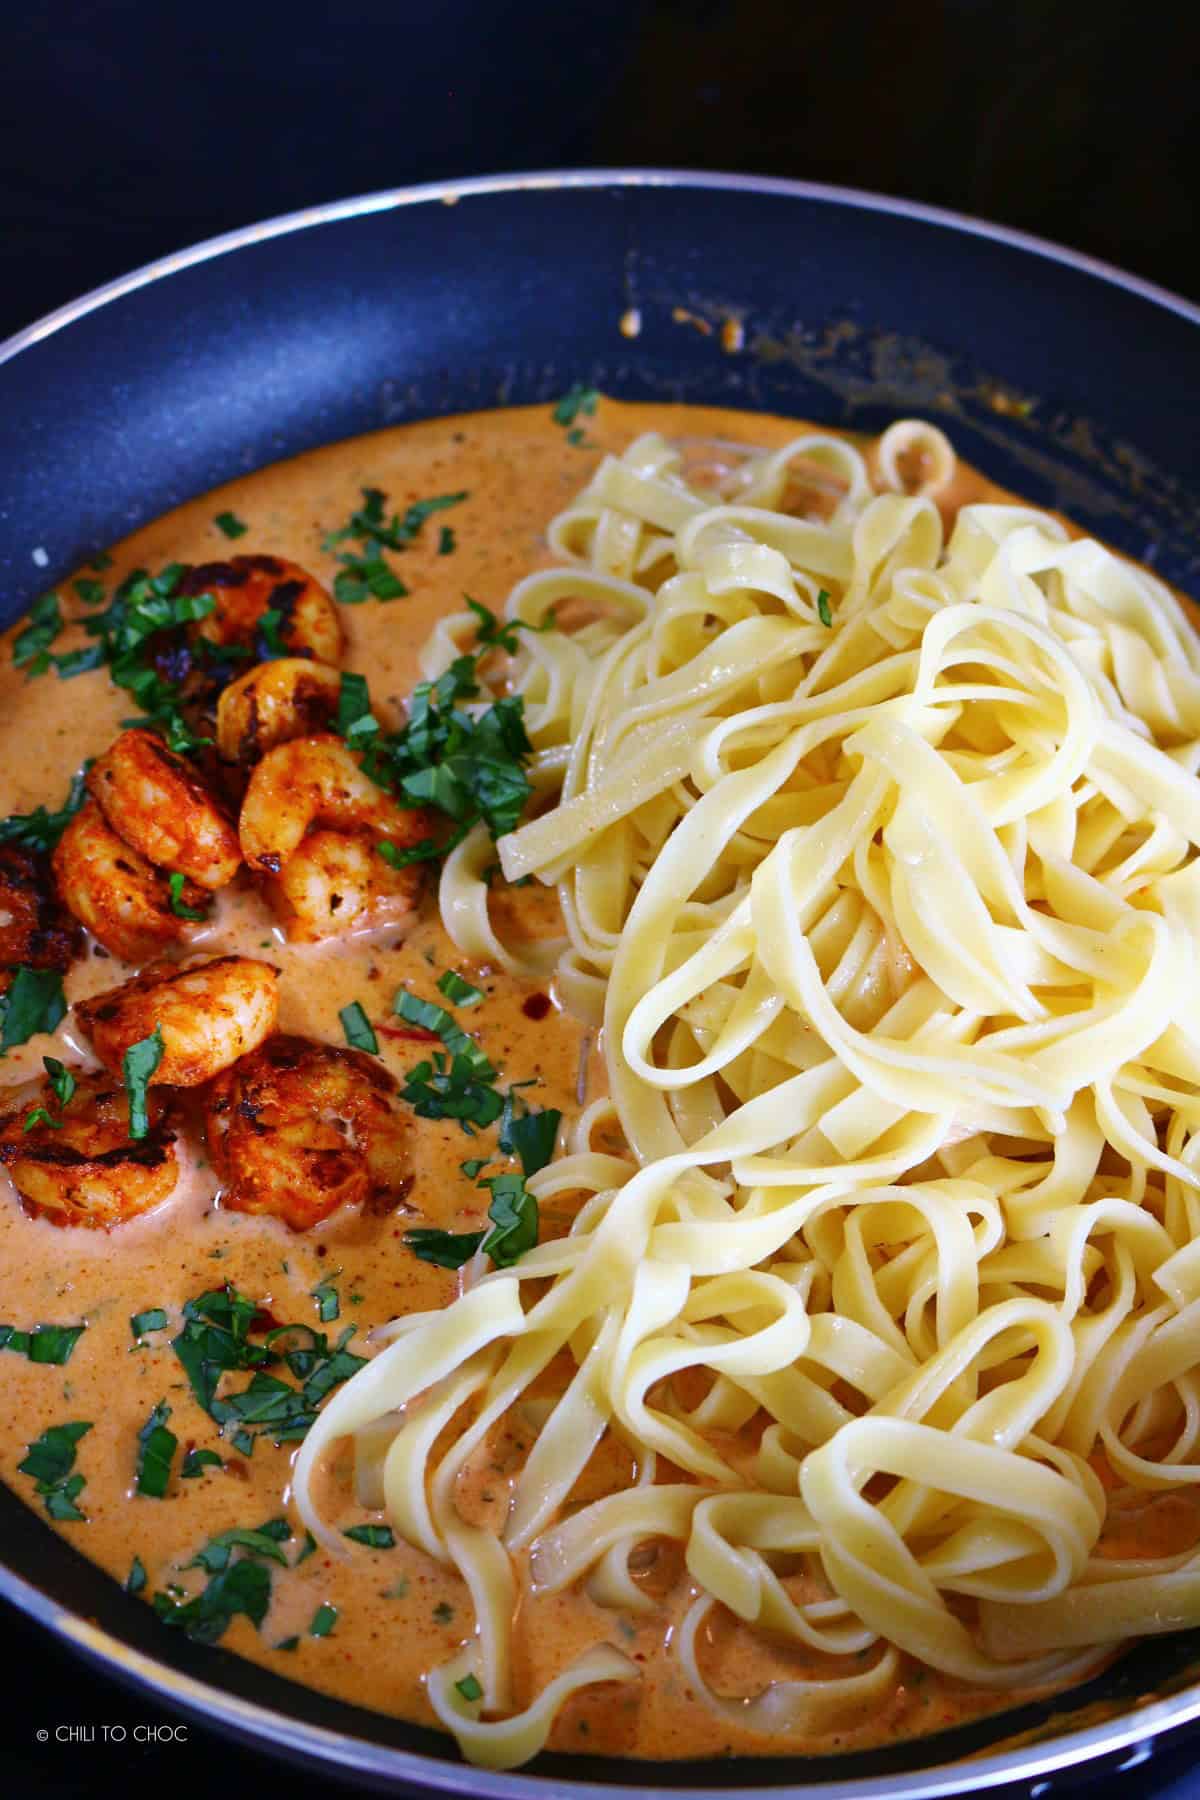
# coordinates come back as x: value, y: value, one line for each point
x: 447, y: 543
x: 155, y: 1318
x: 135, y: 1581
x: 456, y: 1087
x: 355, y: 720
x: 514, y: 1216
x: 31, y: 647
x: 375, y: 1537
x: 196, y: 1461
x: 323, y: 1620
x: 44, y: 1344
x: 528, y: 1133
x: 34, y: 1002
x: 49, y: 1463
x: 215, y: 1341
x: 156, y: 1449
x: 329, y: 1307
x: 469, y: 1688
x: 473, y: 1165
x: 129, y: 633
x: 62, y: 1082
x: 230, y: 525
x: 240, y: 1587
x: 429, y: 1016
x: 360, y: 1033
x: 264, y: 1540
x: 39, y: 829
x: 177, y: 882
x: 365, y: 573
x: 500, y: 634
x: 458, y: 990
x: 823, y: 609
x: 268, y: 642
x: 443, y: 1612
x: 577, y: 399
x: 137, y: 1066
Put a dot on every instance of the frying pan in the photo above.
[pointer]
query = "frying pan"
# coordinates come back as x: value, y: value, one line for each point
x: 1063, y: 378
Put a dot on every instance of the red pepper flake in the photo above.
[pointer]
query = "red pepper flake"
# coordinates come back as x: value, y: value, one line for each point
x: 537, y: 1006
x: 415, y: 1034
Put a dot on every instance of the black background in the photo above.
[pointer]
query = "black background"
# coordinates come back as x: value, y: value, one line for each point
x: 130, y: 130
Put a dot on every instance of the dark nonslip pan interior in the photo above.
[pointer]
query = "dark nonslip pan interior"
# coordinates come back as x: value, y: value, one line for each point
x: 1063, y: 379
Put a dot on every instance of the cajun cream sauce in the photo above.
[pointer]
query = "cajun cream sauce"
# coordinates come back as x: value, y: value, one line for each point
x: 397, y: 1612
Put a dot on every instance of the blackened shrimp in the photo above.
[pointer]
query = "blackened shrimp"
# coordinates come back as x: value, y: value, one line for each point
x: 84, y: 1168
x: 157, y: 802
x: 299, y: 1129
x: 312, y: 820
x: 208, y: 1014
x: 289, y: 697
x: 125, y: 901
x: 34, y: 929
x: 246, y: 587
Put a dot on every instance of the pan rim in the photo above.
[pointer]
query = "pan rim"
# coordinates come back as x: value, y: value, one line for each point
x: 451, y: 190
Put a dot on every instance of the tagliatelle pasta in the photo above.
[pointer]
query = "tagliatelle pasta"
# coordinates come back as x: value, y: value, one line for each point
x: 877, y: 860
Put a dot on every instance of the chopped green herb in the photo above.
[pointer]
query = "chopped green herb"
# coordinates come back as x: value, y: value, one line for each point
x: 196, y: 1461
x: 131, y: 632
x: 230, y: 525
x: 34, y: 1002
x: 375, y: 1537
x: 458, y: 990
x: 473, y: 1165
x: 156, y: 1448
x: 135, y: 1581
x: 355, y: 720
x: 469, y: 1688
x: 90, y: 592
x: 215, y: 1340
x: 823, y: 610
x: 264, y: 1540
x: 307, y: 1549
x: 62, y: 1082
x: 443, y: 1612
x: 269, y: 643
x: 500, y: 634
x: 242, y: 1587
x: 446, y: 541
x: 576, y: 438
x: 287, y: 1643
x: 137, y: 1066
x: 360, y: 1034
x: 366, y: 574
x: 323, y: 1620
x: 179, y: 906
x: 39, y: 829
x: 49, y: 1462
x: 44, y: 1344
x: 530, y: 1134
x: 328, y: 1305
x: 429, y: 1016
x: 39, y: 1116
x: 514, y: 1216
x: 154, y: 1318
x: 31, y: 646
x: 446, y: 1249
x: 101, y: 560
x: 459, y: 1087
x: 576, y: 400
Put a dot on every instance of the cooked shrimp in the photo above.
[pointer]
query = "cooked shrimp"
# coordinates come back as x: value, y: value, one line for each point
x: 299, y: 1129
x: 246, y: 587
x: 86, y: 1169
x: 34, y: 929
x: 337, y: 882
x: 312, y: 819
x: 156, y: 801
x: 209, y: 1015
x: 123, y: 899
x: 272, y: 703
x: 314, y: 781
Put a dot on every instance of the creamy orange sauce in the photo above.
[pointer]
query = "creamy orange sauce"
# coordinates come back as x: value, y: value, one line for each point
x: 398, y: 1612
